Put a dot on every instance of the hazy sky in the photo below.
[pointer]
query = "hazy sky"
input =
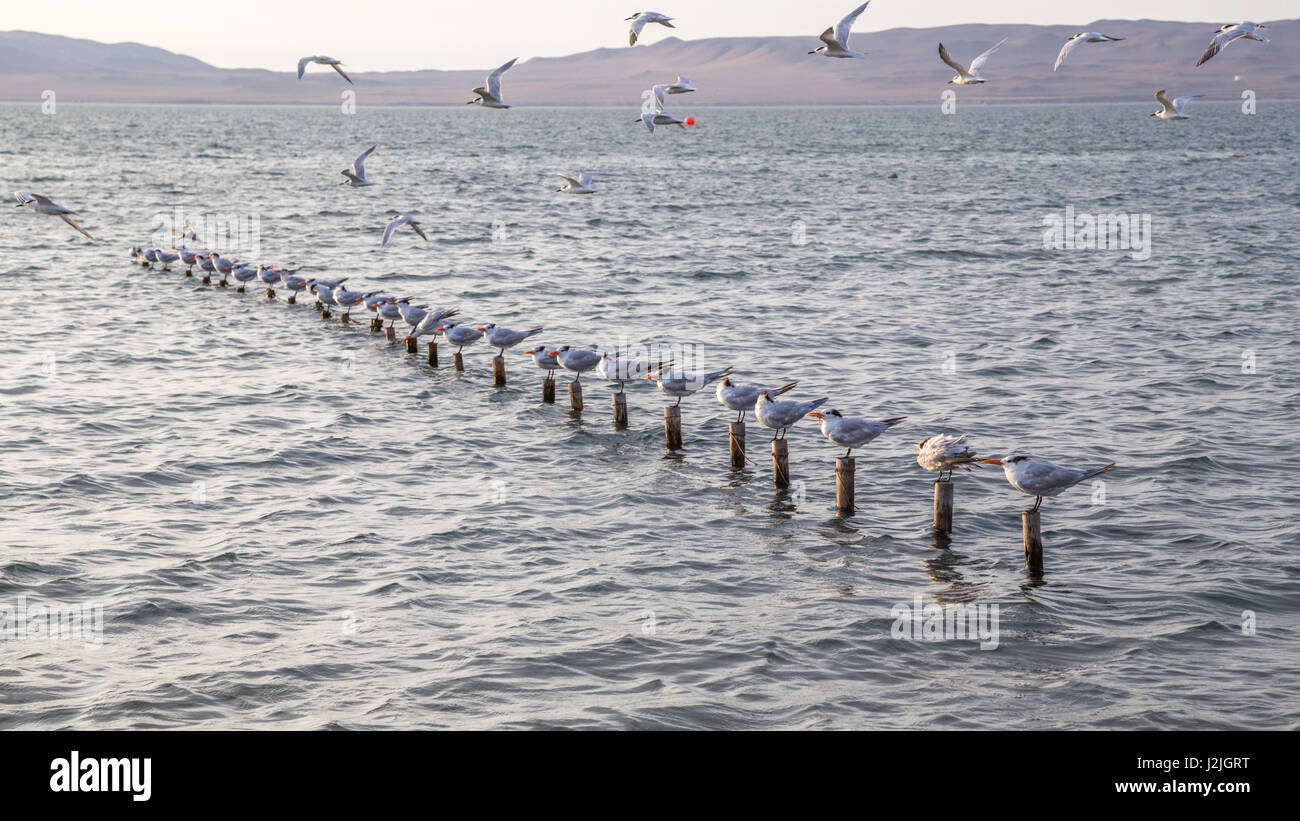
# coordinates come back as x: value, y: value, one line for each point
x: 449, y: 34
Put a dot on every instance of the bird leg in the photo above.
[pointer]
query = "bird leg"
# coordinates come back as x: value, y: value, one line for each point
x: 1038, y: 500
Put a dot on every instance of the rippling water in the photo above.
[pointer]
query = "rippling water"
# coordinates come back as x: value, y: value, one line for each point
x: 292, y: 523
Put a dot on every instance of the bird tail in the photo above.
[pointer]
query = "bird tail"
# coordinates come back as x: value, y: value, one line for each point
x: 782, y: 389
x: 894, y: 421
x: 709, y: 377
x: 817, y: 403
x: 532, y: 332
x: 1099, y: 471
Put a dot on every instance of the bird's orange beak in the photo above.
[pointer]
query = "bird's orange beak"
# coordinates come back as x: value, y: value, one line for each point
x: 651, y: 376
x: 991, y: 461
x: 439, y: 330
x: 552, y: 353
x: 480, y: 330
x: 813, y: 414
x: 530, y: 352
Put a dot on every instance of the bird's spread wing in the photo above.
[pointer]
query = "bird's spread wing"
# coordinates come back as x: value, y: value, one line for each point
x: 69, y: 221
x: 1163, y: 100
x: 635, y: 30
x: 1179, y: 102
x: 978, y: 62
x: 340, y: 70
x: 843, y: 27
x: 569, y: 180
x: 649, y: 120
x: 494, y: 79
x: 1219, y: 42
x: 416, y: 227
x: 659, y: 92
x: 828, y: 37
x: 388, y: 231
x: 360, y: 164
x: 302, y: 65
x: 947, y: 58
x: 1069, y: 46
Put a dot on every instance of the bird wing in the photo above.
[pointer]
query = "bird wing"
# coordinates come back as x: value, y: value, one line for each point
x: 1164, y: 101
x: 947, y: 58
x: 494, y: 79
x: 416, y: 227
x: 302, y: 65
x: 649, y: 120
x: 569, y: 180
x: 360, y: 163
x: 340, y: 70
x: 1069, y: 46
x: 388, y: 231
x: 978, y: 62
x: 845, y: 26
x: 659, y: 92
x: 1220, y: 42
x: 1179, y: 102
x: 634, y: 31
x: 69, y: 221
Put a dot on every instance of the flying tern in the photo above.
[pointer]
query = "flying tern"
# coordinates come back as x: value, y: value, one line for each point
x: 489, y: 94
x: 1230, y: 33
x: 44, y: 205
x: 1077, y: 40
x: 972, y: 76
x: 357, y: 176
x: 323, y: 61
x: 641, y: 19
x: 835, y: 40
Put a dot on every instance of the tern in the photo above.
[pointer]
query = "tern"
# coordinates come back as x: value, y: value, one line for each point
x: 641, y: 19
x: 322, y: 61
x: 502, y: 338
x: 209, y: 267
x: 460, y: 335
x: 851, y: 431
x: 1082, y: 37
x: 1229, y: 33
x: 836, y: 38
x: 780, y: 415
x: 165, y: 258
x: 1038, y: 478
x: 489, y: 94
x: 741, y: 398
x: 681, y: 86
x: 684, y: 383
x: 576, y: 360
x: 345, y: 299
x: 659, y: 117
x: 617, y: 369
x: 398, y: 222
x: 357, y: 177
x: 582, y: 185
x: 1172, y: 110
x: 44, y: 205
x: 390, y: 310
x: 294, y: 284
x: 432, y: 322
x: 945, y: 453
x: 971, y: 77
x: 544, y: 360
x: 189, y: 258
x: 412, y: 314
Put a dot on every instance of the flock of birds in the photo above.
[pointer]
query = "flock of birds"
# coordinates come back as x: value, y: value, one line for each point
x: 941, y: 453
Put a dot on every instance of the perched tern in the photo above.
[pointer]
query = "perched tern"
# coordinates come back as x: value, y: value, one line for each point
x: 836, y: 38
x: 502, y: 338
x: 780, y: 415
x: 1082, y: 37
x: 582, y: 185
x: 357, y: 176
x: 684, y: 383
x: 189, y: 258
x: 741, y: 398
x: 852, y: 431
x: 968, y: 77
x: 489, y: 94
x: 323, y: 61
x: 412, y: 315
x: 945, y: 453
x: 44, y: 205
x: 617, y: 369
x: 398, y: 222
x: 1172, y: 110
x: 460, y: 335
x: 544, y: 359
x: 1038, y: 478
x: 641, y: 19
x: 1229, y: 33
x: 166, y: 258
x: 432, y: 322
x: 576, y: 360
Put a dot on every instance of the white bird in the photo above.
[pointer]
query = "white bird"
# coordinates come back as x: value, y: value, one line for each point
x: 357, y: 177
x: 780, y: 415
x: 544, y: 359
x: 741, y: 398
x: 431, y: 323
x: 1082, y: 37
x: 44, y: 205
x: 577, y: 360
x: 972, y: 76
x: 659, y: 117
x: 1038, y: 478
x: 852, y: 431
x: 502, y: 338
x: 1172, y: 110
x: 836, y: 38
x: 460, y: 335
x: 617, y: 369
x: 398, y: 222
x: 681, y: 86
x: 1229, y: 33
x: 489, y: 94
x: 322, y: 61
x: 945, y: 453
x: 345, y: 299
x: 582, y: 185
x: 642, y: 18
x: 684, y: 383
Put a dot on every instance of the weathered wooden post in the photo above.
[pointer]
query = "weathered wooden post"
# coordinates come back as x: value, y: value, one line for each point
x: 575, y: 395
x: 618, y: 402
x: 1029, y: 526
x: 844, y: 470
x: 376, y: 324
x: 736, y: 437
x: 673, y: 427
x: 432, y: 348
x: 499, y: 371
x: 270, y: 293
x: 458, y: 361
x: 411, y: 345
x: 943, y: 506
x: 293, y: 299
x: 780, y: 463
x: 548, y: 389
x: 390, y: 333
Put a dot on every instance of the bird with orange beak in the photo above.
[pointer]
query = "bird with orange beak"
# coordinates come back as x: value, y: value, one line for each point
x: 1038, y: 478
x: 851, y: 431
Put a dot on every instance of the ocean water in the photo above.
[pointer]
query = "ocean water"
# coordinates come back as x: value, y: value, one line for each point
x: 286, y: 522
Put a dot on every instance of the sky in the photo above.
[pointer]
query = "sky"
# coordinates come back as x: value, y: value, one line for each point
x: 414, y: 34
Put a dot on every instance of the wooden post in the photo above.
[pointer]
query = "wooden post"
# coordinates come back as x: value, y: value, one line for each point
x: 780, y: 463
x: 390, y: 333
x: 499, y: 371
x: 548, y: 390
x: 457, y: 361
x: 293, y: 299
x: 432, y: 348
x: 736, y: 433
x: 346, y: 318
x: 270, y: 293
x: 240, y: 289
x: 844, y: 469
x: 324, y: 313
x: 1033, y: 540
x: 673, y: 427
x: 618, y: 402
x: 411, y: 344
x: 943, y: 506
x: 376, y: 324
x: 575, y: 395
